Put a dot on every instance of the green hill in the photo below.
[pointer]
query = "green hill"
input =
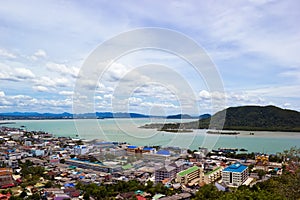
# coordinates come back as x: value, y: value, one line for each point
x: 260, y: 118
x: 254, y: 118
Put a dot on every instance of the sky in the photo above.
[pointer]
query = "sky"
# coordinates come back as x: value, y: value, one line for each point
x: 253, y: 45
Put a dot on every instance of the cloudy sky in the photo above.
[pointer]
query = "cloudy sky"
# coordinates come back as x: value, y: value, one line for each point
x: 254, y: 45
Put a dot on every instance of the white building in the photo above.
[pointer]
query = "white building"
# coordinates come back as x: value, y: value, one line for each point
x: 80, y: 150
x: 235, y: 175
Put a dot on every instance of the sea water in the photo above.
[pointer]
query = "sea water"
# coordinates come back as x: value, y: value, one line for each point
x: 127, y: 130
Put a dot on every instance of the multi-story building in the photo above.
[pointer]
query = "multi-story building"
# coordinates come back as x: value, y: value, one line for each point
x: 80, y: 150
x: 235, y: 175
x: 179, y: 165
x: 94, y: 166
x: 164, y: 173
x: 192, y: 175
x: 6, y: 179
x: 156, y: 157
x: 169, y: 171
x: 213, y: 175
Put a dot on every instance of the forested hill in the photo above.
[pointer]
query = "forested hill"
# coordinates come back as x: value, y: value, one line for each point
x: 261, y: 118
x: 269, y: 118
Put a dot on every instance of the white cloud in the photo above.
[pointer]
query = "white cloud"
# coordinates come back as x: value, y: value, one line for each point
x: 7, y: 54
x: 40, y: 88
x: 162, y: 105
x: 22, y: 102
x: 292, y: 73
x: 66, y: 93
x: 52, y: 82
x: 39, y: 54
x: 23, y: 73
x: 115, y: 72
x: 2, y: 94
x: 15, y: 74
x: 108, y: 96
x: 233, y: 33
x: 63, y: 69
x: 204, y: 94
x: 98, y: 98
x: 135, y: 101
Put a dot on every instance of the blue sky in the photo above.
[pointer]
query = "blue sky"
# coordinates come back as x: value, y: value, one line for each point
x: 254, y: 45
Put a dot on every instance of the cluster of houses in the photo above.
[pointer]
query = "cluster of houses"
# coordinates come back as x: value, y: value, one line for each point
x: 68, y: 161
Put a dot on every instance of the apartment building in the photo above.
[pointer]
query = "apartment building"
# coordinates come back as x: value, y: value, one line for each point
x: 6, y: 179
x: 213, y: 175
x: 235, y: 175
x: 165, y: 172
x: 192, y: 175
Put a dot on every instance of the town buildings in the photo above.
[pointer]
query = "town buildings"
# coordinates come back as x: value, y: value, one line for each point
x: 213, y: 175
x: 192, y: 176
x: 6, y: 179
x: 165, y: 172
x: 235, y: 175
x: 169, y: 171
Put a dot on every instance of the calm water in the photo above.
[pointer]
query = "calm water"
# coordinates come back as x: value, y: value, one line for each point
x: 126, y: 130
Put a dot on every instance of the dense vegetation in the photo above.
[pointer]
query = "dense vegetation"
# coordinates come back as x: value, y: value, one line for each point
x: 268, y: 118
x: 110, y: 191
x: 286, y: 186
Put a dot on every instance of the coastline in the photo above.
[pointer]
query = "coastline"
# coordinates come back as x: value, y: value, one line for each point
x: 127, y: 130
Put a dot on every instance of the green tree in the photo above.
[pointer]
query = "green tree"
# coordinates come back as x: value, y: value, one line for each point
x: 86, y: 196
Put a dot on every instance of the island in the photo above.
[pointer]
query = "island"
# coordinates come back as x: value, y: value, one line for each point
x: 248, y: 118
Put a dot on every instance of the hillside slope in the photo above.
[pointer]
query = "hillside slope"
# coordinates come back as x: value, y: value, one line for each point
x: 268, y: 118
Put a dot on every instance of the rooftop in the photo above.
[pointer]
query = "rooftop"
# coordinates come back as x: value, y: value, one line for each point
x: 188, y: 171
x: 163, y: 152
x: 131, y: 147
x: 167, y: 168
x: 236, y: 167
x: 210, y: 172
x: 148, y: 148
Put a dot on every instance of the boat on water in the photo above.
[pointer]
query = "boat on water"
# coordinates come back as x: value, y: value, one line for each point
x: 222, y: 132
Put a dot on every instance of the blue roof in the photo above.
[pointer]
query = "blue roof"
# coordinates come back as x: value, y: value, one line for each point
x: 69, y: 185
x: 163, y: 152
x: 148, y: 148
x: 236, y: 167
x: 131, y: 147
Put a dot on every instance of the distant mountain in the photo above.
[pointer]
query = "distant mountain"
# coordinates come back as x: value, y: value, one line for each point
x: 186, y: 116
x: 99, y: 115
x: 204, y: 116
x: 65, y: 115
x: 268, y: 118
x: 180, y: 116
x: 35, y: 115
x: 120, y: 115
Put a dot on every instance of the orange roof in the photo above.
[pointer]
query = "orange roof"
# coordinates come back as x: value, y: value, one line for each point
x: 166, y: 180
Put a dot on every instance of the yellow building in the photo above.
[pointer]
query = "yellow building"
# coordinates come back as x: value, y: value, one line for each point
x: 192, y: 175
x: 213, y: 175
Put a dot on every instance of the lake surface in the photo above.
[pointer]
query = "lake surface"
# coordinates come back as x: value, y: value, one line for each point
x: 126, y: 130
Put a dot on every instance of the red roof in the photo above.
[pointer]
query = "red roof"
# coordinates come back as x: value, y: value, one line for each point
x: 139, y: 197
x: 5, y: 196
x: 7, y: 186
x: 75, y: 194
